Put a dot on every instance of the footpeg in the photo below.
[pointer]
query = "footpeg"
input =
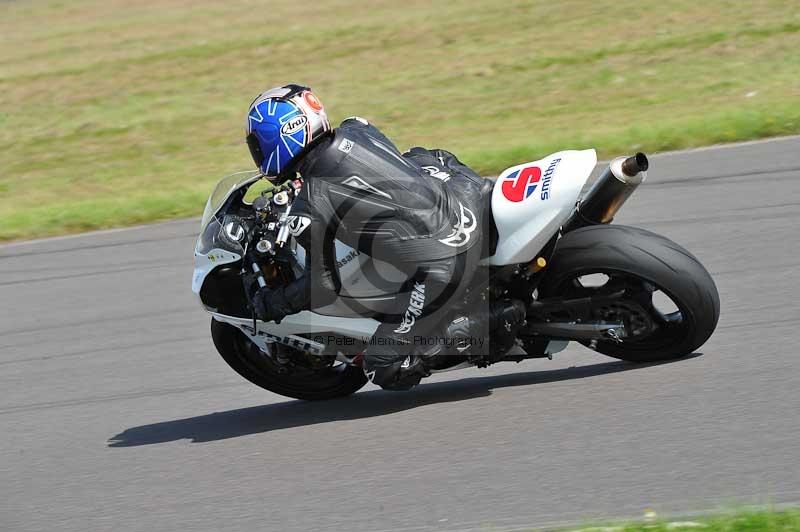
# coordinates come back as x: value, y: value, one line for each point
x: 614, y: 335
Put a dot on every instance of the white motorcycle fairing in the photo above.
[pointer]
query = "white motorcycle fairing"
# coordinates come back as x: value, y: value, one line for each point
x: 529, y: 203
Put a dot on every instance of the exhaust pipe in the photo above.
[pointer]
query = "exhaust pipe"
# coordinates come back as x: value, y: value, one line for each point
x: 609, y: 192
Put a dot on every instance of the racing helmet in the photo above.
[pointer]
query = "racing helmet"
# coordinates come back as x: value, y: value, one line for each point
x: 281, y: 123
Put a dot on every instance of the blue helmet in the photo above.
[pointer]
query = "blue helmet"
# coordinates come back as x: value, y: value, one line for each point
x: 281, y: 123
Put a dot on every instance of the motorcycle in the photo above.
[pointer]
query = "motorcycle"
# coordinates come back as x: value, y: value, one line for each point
x: 624, y: 292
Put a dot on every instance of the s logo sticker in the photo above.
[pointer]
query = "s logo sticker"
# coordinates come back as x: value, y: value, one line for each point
x: 520, y: 184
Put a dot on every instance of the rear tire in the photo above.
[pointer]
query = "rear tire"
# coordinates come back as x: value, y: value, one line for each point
x: 655, y: 260
x: 251, y: 363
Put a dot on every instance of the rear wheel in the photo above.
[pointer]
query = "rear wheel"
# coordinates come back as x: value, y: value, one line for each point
x: 670, y: 304
x: 297, y: 376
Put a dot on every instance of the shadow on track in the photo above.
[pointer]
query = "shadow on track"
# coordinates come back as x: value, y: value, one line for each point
x: 277, y: 416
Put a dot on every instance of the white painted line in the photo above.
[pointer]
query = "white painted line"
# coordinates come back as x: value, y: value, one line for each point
x: 99, y: 232
x: 726, y: 145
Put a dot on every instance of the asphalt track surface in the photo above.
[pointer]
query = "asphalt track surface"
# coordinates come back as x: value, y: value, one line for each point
x: 116, y: 413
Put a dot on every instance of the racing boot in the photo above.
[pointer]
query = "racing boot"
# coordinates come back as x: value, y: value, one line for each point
x: 392, y: 371
x: 394, y: 360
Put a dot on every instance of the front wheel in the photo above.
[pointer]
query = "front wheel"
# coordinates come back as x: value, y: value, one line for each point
x: 300, y: 377
x: 670, y: 305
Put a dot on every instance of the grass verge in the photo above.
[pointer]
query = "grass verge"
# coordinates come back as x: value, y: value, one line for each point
x: 114, y: 113
x: 750, y: 521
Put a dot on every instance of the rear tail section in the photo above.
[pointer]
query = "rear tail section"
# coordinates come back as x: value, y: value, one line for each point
x: 531, y: 201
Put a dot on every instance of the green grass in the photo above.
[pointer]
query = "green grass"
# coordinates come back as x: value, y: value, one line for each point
x: 753, y: 521
x: 115, y: 112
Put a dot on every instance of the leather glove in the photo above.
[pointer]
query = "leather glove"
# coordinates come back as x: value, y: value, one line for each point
x: 271, y: 305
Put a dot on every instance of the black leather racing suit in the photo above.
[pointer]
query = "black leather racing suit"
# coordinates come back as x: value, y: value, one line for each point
x: 422, y: 211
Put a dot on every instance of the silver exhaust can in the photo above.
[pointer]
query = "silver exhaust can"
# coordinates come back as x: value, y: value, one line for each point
x: 609, y: 192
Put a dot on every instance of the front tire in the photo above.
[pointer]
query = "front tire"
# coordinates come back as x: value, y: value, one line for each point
x: 627, y: 256
x: 262, y: 370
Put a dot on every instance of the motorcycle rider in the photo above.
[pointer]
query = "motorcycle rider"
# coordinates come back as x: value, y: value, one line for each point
x: 421, y: 211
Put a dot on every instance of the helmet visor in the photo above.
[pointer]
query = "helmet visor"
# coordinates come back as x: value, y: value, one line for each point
x: 255, y: 149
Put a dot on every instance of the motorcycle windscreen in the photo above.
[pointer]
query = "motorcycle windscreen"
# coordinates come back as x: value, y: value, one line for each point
x: 218, y: 235
x: 227, y: 186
